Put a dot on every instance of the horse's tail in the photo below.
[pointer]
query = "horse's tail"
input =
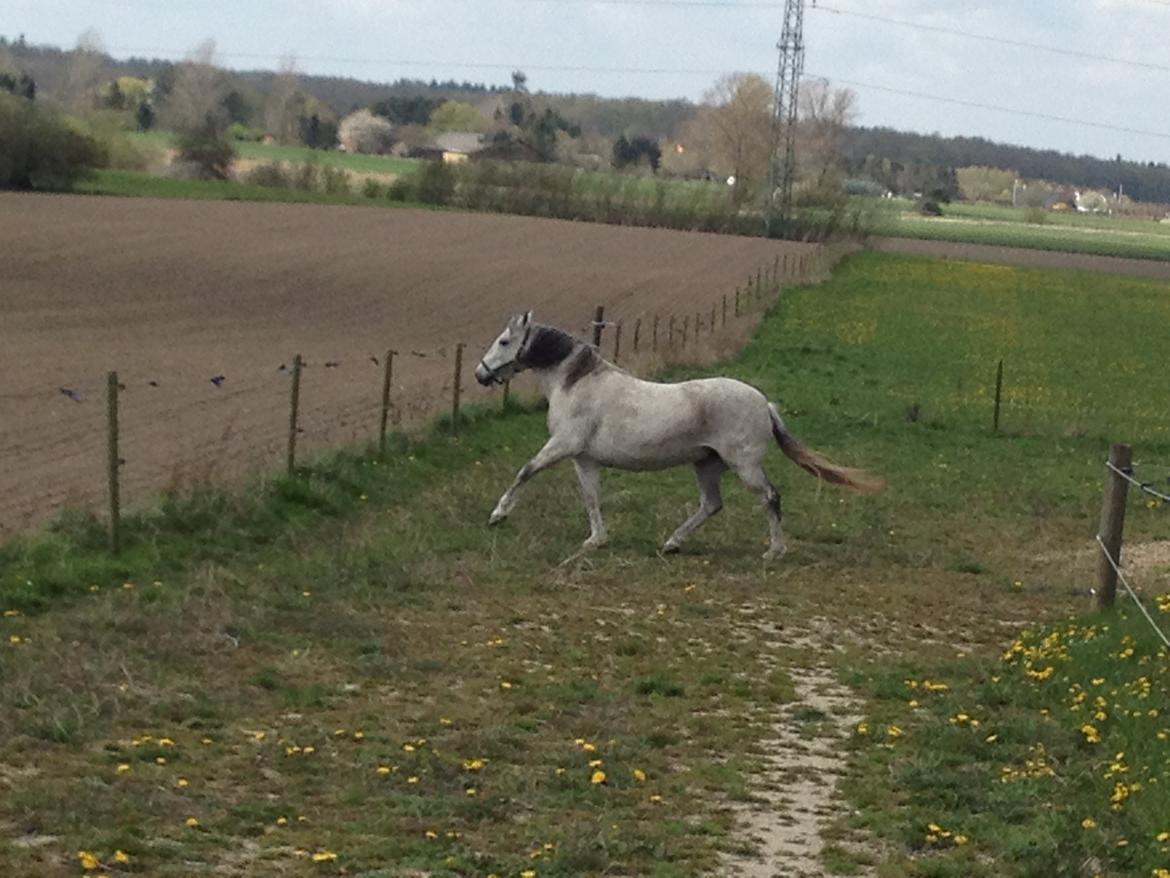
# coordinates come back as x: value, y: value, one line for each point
x: 812, y: 462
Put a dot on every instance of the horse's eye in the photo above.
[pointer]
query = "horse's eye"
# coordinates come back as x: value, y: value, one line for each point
x: 503, y: 343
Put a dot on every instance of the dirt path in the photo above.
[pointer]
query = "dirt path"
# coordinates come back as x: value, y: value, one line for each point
x: 797, y: 797
x: 172, y: 294
x: 1024, y: 257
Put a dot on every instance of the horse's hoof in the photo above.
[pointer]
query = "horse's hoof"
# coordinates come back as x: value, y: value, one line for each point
x: 595, y: 544
x: 496, y: 518
x: 775, y: 554
x: 671, y: 549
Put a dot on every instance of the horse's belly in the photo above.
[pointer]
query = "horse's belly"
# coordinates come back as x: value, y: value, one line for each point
x: 620, y: 453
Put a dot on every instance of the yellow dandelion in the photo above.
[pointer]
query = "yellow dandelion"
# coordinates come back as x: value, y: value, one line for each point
x: 324, y: 857
x: 409, y: 748
x: 192, y: 822
x: 282, y: 821
x: 1163, y: 836
x: 359, y: 735
x: 639, y: 775
x: 471, y: 791
x: 594, y: 763
x: 961, y: 839
x: 123, y: 767
x: 88, y: 860
x: 166, y: 742
x: 431, y: 834
x: 412, y: 779
x: 893, y: 732
x: 528, y: 873
x: 1088, y: 823
x: 182, y: 782
x: 597, y: 777
x: 383, y: 769
x: 121, y: 856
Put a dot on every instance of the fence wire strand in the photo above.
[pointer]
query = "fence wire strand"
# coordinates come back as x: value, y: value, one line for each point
x: 1132, y: 594
x: 1146, y: 487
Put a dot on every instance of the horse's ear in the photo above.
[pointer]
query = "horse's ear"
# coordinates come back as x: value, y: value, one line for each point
x: 527, y: 319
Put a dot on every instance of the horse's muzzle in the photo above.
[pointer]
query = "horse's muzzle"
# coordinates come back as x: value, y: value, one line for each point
x: 484, y: 375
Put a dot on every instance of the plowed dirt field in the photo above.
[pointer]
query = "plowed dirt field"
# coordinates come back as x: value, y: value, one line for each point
x: 172, y: 294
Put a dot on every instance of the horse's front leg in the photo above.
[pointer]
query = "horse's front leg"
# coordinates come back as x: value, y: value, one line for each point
x: 589, y: 475
x: 554, y: 451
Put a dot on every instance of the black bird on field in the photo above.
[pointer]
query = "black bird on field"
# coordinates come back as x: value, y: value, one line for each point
x: 71, y: 393
x: 218, y: 380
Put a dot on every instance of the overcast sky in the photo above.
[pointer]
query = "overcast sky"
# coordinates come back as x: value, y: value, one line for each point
x: 481, y: 40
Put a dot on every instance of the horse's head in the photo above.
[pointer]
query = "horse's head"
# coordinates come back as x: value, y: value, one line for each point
x: 501, y: 360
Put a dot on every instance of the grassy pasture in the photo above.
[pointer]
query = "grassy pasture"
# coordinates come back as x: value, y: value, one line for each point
x: 275, y: 152
x: 1007, y: 227
x: 370, y: 680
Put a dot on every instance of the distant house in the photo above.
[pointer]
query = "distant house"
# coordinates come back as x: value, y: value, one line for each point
x: 451, y: 146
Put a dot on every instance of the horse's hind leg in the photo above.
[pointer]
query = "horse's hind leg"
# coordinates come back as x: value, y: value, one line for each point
x: 708, y: 473
x: 756, y: 480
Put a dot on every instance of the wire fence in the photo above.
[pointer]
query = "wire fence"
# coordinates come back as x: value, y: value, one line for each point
x: 646, y: 339
x: 1120, y: 469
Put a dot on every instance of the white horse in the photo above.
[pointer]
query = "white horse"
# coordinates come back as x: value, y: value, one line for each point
x: 600, y: 415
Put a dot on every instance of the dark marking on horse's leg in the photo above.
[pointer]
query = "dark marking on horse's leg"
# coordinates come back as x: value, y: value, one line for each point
x: 708, y: 473
x: 773, y: 501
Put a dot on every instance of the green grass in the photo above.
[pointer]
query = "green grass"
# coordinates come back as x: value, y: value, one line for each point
x: 1066, y: 232
x: 372, y: 598
x: 366, y: 164
x: 275, y: 152
x: 141, y: 185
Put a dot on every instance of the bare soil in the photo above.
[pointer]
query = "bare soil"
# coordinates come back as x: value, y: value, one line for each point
x: 1025, y: 257
x: 172, y: 294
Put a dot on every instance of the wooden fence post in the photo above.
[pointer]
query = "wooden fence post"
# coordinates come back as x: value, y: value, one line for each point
x: 457, y: 389
x: 712, y: 329
x: 654, y: 335
x: 637, y: 332
x: 670, y: 336
x: 737, y: 301
x: 759, y: 286
x: 724, y: 323
x: 598, y: 325
x: 617, y: 342
x: 786, y: 265
x: 387, y: 377
x: 114, y: 462
x: 998, y: 396
x: 686, y: 323
x: 293, y: 413
x: 776, y: 272
x: 1112, y: 524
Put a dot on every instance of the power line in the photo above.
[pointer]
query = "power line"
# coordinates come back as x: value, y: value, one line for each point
x: 900, y: 22
x: 660, y: 71
x: 1031, y: 114
x: 987, y: 38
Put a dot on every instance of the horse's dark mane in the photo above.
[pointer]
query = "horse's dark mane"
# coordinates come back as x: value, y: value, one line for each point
x: 547, y: 347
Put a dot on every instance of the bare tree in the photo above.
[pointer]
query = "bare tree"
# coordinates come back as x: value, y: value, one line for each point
x: 194, y: 100
x: 280, y: 119
x: 732, y: 130
x: 77, y: 93
x: 825, y: 113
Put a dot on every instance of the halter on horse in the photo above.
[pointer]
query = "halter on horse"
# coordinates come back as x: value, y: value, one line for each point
x: 601, y: 416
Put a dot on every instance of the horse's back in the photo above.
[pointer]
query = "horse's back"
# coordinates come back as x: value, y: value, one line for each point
x: 650, y: 425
